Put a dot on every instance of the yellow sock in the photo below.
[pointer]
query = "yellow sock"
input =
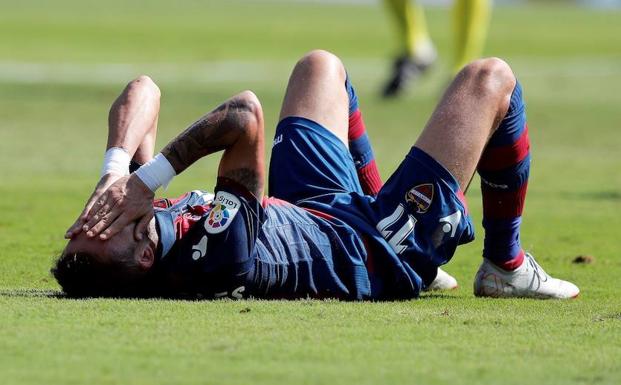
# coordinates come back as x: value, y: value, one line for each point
x: 411, y: 25
x: 471, y: 19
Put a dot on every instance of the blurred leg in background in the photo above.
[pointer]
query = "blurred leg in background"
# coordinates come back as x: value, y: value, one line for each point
x: 416, y: 51
x: 470, y: 23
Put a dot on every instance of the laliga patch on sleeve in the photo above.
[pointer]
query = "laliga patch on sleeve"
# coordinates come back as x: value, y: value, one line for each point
x: 225, y: 207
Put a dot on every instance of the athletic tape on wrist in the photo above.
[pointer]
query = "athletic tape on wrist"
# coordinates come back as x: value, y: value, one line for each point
x: 116, y: 160
x: 156, y: 172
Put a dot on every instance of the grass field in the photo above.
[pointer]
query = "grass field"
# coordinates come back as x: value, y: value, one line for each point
x: 61, y: 65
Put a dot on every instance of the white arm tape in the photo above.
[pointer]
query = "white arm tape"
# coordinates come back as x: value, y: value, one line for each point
x: 116, y: 160
x: 156, y: 172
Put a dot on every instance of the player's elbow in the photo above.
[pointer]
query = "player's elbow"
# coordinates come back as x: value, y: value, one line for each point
x: 145, y: 86
x: 248, y: 113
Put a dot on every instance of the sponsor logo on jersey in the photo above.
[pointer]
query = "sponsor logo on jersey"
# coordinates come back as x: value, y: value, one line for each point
x: 200, y: 249
x: 421, y: 197
x: 225, y: 207
x: 446, y: 226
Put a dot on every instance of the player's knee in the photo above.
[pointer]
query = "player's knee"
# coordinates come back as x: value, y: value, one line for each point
x: 491, y: 76
x: 144, y: 83
x: 321, y: 62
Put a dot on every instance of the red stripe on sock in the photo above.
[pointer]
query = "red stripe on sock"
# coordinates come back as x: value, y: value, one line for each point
x: 370, y: 179
x: 512, y: 264
x: 356, y: 126
x: 498, y: 158
x: 498, y: 204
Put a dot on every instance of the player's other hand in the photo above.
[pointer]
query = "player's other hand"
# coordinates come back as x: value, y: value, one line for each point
x: 101, y: 187
x: 127, y: 200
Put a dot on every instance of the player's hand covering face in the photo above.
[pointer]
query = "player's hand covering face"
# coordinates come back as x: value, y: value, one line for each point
x: 105, y: 182
x: 127, y: 200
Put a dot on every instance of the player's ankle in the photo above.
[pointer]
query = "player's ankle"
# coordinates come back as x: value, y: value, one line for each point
x: 511, y: 264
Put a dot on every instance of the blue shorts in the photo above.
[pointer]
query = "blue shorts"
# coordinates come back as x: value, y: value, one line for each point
x: 413, y: 225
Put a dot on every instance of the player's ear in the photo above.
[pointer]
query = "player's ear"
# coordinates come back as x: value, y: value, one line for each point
x: 146, y: 257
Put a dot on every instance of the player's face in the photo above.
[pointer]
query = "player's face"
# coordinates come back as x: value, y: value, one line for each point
x: 121, y: 244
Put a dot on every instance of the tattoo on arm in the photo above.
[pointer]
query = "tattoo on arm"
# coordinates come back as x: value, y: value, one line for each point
x: 247, y: 178
x: 213, y: 132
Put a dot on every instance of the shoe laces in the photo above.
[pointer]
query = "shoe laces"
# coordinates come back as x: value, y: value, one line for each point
x: 539, y: 272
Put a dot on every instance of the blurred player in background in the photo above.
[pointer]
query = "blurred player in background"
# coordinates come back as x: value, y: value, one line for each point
x: 416, y: 49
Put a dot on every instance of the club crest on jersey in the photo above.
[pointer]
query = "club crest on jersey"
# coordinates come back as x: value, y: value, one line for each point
x: 421, y: 197
x: 225, y: 207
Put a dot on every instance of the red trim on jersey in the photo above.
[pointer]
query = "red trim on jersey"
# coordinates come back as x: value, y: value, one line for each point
x: 370, y: 263
x: 184, y: 222
x: 164, y: 203
x: 498, y: 158
x: 498, y: 204
x: 174, y: 201
x: 318, y: 213
x: 271, y: 201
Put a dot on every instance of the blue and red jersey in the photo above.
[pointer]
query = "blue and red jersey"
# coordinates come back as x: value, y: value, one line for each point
x: 231, y: 245
x: 319, y: 235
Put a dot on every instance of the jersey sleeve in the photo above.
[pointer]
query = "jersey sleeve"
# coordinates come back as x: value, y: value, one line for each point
x: 231, y: 226
x: 225, y: 243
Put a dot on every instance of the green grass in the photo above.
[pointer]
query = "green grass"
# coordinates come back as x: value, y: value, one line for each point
x: 52, y: 132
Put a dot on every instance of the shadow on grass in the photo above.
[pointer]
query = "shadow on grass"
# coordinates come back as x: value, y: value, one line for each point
x: 43, y: 293
x: 32, y: 293
x: 439, y: 295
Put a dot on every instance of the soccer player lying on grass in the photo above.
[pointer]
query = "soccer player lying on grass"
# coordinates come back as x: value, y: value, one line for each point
x: 330, y: 229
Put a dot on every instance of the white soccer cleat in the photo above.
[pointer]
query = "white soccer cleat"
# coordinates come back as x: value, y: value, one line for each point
x: 443, y: 281
x: 529, y: 280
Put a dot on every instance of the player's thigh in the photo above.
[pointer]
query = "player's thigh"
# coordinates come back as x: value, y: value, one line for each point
x: 316, y: 91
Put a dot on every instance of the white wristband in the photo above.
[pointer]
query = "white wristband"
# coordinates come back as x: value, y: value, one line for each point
x: 116, y: 160
x: 156, y: 172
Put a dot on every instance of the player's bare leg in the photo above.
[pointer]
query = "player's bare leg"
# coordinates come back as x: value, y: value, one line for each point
x: 316, y: 92
x: 320, y: 90
x: 468, y: 114
x: 475, y: 106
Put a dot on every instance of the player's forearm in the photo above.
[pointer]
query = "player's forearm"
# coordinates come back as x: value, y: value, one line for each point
x: 133, y: 117
x: 216, y: 131
x: 144, y: 152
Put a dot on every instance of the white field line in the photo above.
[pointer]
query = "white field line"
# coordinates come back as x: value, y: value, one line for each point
x: 261, y: 71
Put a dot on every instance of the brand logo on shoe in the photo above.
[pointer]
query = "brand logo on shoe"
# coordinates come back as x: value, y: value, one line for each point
x: 421, y: 197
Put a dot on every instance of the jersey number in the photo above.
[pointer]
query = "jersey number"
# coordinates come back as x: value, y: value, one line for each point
x: 396, y: 238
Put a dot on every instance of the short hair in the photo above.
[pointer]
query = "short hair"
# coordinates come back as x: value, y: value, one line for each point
x: 83, y: 275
